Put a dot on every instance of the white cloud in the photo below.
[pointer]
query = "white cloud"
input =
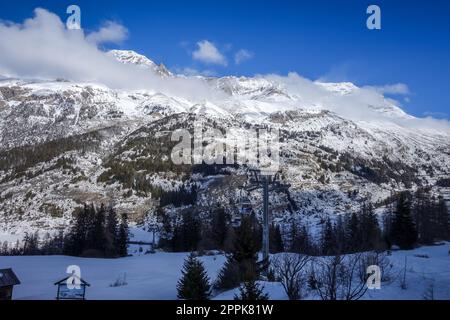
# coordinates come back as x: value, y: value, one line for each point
x: 208, y: 53
x: 110, y: 32
x: 435, y: 114
x: 243, y: 55
x: 393, y: 89
x: 42, y: 47
x: 362, y: 104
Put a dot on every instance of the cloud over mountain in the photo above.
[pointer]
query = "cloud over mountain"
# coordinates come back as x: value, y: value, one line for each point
x: 110, y: 32
x: 208, y: 53
x: 42, y: 47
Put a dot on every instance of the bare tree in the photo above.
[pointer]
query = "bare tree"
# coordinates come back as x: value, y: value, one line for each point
x: 352, y: 287
x: 337, y: 277
x: 324, y: 273
x: 290, y: 270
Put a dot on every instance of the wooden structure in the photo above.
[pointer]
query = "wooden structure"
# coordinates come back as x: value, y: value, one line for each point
x: 71, y: 288
x: 8, y: 280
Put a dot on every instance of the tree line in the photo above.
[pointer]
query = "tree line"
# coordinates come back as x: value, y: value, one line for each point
x: 95, y: 232
x: 411, y: 220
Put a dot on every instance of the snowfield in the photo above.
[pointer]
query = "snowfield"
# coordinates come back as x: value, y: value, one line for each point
x: 154, y: 276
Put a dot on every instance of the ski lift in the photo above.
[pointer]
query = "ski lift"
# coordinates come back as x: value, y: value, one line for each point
x: 245, y: 206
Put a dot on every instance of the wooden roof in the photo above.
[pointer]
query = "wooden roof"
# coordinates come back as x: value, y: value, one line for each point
x: 8, y: 278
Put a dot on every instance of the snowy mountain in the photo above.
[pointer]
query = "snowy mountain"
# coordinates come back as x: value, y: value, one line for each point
x: 63, y: 144
x: 131, y: 57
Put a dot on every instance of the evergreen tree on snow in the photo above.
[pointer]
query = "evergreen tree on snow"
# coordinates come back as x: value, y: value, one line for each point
x: 300, y: 239
x: 424, y: 217
x: 96, y: 234
x: 76, y: 240
x: 194, y: 282
x: 220, y: 227
x: 354, y: 236
x: 166, y: 232
x: 369, y: 228
x: 123, y: 237
x: 241, y: 265
x: 328, y: 238
x: 186, y: 234
x: 403, y: 232
x: 111, y: 233
x: 246, y: 249
x: 442, y: 220
x: 276, y: 241
x: 251, y: 291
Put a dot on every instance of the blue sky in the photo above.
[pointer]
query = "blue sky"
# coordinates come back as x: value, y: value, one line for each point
x: 318, y: 39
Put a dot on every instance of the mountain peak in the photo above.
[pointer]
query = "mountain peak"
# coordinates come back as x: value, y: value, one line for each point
x: 132, y: 57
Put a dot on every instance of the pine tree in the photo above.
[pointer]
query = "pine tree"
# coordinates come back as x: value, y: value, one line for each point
x: 229, y: 276
x: 354, y: 236
x: 246, y: 248
x: 403, y: 233
x: 241, y: 264
x: 76, y: 239
x: 166, y: 233
x: 89, y: 241
x: 5, y: 249
x: 300, y: 239
x: 388, y: 218
x: 17, y: 249
x: 31, y: 244
x: 111, y: 233
x: 96, y: 234
x: 194, y: 282
x: 423, y: 210
x: 220, y: 227
x: 294, y: 245
x: 251, y: 291
x: 328, y: 238
x: 369, y: 229
x: 123, y: 237
x: 276, y: 241
x: 340, y: 234
x: 442, y: 220
x: 186, y: 234
x: 191, y: 229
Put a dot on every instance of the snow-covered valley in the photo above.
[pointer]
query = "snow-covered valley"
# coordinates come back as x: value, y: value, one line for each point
x: 154, y: 276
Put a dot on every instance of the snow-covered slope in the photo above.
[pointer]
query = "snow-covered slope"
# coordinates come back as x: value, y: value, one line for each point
x: 132, y: 57
x: 155, y: 276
